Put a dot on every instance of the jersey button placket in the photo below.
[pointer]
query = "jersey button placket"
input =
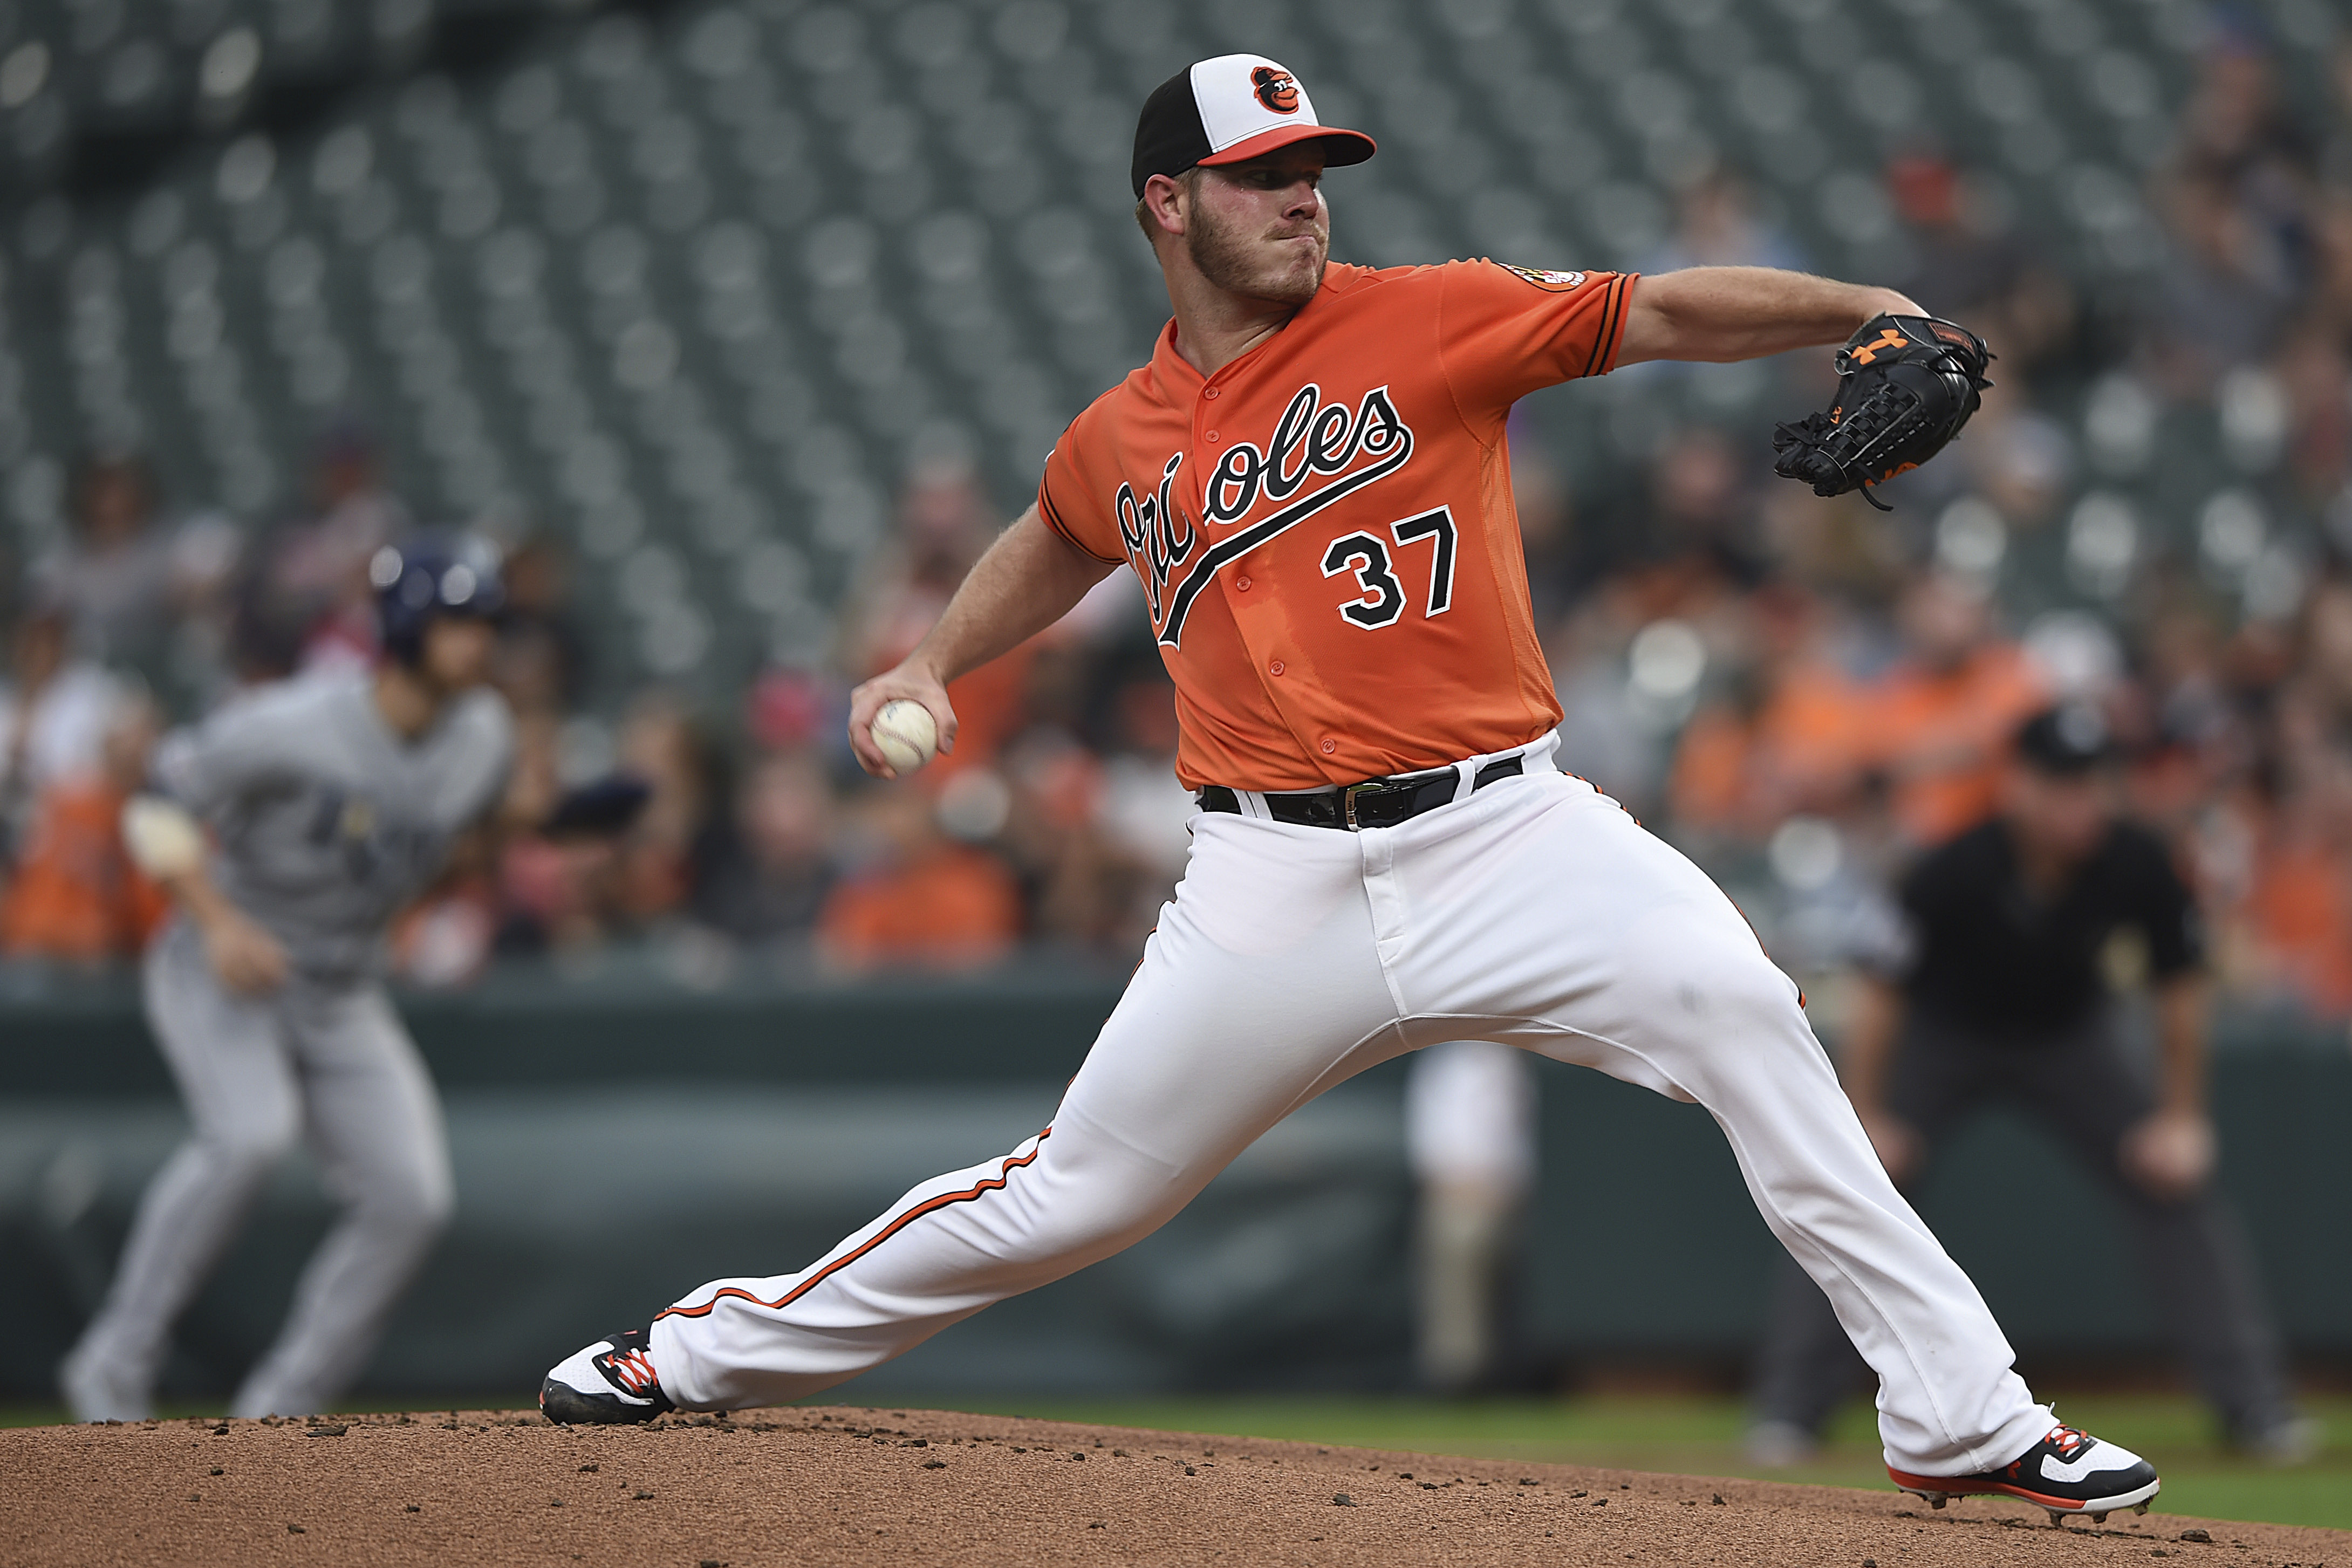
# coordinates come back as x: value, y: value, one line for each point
x: 1274, y: 668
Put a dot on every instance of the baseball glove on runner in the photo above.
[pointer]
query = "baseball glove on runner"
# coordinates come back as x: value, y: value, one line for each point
x: 1906, y: 385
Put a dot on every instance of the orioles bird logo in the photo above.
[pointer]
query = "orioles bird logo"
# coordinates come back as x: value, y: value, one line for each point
x: 1276, y: 89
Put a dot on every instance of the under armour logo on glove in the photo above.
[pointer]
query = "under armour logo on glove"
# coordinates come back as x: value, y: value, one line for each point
x: 1867, y: 352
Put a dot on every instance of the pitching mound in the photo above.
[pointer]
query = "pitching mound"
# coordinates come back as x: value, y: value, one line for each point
x: 853, y: 1486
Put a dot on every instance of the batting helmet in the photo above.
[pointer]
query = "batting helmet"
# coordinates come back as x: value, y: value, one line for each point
x: 430, y: 575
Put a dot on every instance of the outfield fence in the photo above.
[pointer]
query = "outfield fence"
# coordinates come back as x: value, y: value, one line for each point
x: 622, y: 1135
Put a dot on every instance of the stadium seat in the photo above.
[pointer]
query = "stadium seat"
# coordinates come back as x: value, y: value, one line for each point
x: 689, y: 285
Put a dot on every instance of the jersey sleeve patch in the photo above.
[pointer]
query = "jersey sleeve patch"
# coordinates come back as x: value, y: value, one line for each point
x: 1550, y: 282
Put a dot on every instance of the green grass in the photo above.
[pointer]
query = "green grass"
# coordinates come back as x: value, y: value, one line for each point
x: 1699, y: 1435
x: 1676, y: 1434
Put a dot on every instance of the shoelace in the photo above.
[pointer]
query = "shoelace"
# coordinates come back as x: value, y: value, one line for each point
x: 635, y: 1370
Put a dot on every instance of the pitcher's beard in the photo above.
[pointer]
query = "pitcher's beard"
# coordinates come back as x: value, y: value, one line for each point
x: 1226, y: 258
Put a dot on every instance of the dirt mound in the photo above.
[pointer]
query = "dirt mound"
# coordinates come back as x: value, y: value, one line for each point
x: 857, y: 1486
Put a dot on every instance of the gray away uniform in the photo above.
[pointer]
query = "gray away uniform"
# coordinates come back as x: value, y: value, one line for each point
x: 328, y: 822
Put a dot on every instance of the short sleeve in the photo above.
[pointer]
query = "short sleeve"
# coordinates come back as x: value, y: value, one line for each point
x: 1504, y: 331
x: 2168, y: 915
x: 1067, y: 505
x: 206, y: 766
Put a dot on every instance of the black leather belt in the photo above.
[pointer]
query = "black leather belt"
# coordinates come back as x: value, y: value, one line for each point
x: 1374, y: 803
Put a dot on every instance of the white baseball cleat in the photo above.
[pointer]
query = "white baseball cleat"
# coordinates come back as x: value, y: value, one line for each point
x: 2066, y: 1472
x: 1777, y: 1445
x: 2294, y: 1441
x: 96, y: 1390
x: 609, y: 1383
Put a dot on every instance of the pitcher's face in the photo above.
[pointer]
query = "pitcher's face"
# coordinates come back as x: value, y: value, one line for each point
x: 1261, y: 229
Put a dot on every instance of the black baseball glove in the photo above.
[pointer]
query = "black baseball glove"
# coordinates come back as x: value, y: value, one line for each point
x: 1906, y: 385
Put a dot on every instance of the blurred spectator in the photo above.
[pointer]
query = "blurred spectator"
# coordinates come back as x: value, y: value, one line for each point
x: 2313, y: 373
x: 2001, y: 992
x: 660, y: 857
x: 2292, y: 929
x: 266, y: 627
x: 1941, y: 719
x: 1606, y: 736
x: 1084, y: 886
x: 548, y: 895
x: 774, y: 882
x: 1470, y: 1136
x: 114, y: 578
x: 1076, y: 885
x: 1547, y: 520
x: 554, y: 896
x: 788, y: 709
x: 543, y: 661
x: 445, y: 938
x: 122, y: 579
x: 2297, y: 911
x: 2332, y: 297
x: 945, y: 525
x: 1968, y: 263
x: 1144, y: 811
x: 2235, y: 127
x: 911, y: 896
x: 1701, y: 520
x: 321, y: 560
x: 570, y: 895
x: 56, y: 710
x: 1725, y: 646
x: 2336, y: 150
x: 2228, y: 289
x: 1716, y: 225
x: 1790, y: 732
x: 2019, y: 459
x: 2238, y: 201
x: 75, y: 894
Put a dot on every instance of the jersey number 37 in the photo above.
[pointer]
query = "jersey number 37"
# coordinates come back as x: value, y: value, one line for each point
x: 1382, y: 603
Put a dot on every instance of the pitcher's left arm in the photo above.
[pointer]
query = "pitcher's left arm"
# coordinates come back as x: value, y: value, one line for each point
x: 1720, y: 314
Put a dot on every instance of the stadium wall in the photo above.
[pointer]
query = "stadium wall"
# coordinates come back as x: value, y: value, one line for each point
x: 620, y: 1138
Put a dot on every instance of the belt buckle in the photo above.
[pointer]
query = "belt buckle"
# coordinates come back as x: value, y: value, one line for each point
x: 1348, y: 799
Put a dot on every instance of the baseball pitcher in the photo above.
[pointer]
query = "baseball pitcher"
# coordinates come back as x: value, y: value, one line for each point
x: 1310, y: 479
x: 330, y: 802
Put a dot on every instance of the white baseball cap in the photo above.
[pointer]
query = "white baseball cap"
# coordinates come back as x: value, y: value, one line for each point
x: 1230, y: 110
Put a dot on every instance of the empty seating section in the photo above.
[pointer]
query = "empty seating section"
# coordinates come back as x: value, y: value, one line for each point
x: 695, y: 285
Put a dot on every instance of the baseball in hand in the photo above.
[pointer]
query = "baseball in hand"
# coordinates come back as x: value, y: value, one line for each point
x: 905, y: 733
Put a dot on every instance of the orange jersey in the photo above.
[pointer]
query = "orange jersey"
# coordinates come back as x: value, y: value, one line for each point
x: 1943, y: 735
x: 1325, y: 529
x: 955, y: 908
x: 76, y: 895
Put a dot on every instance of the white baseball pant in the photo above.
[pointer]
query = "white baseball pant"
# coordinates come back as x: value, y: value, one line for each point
x: 1534, y: 911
